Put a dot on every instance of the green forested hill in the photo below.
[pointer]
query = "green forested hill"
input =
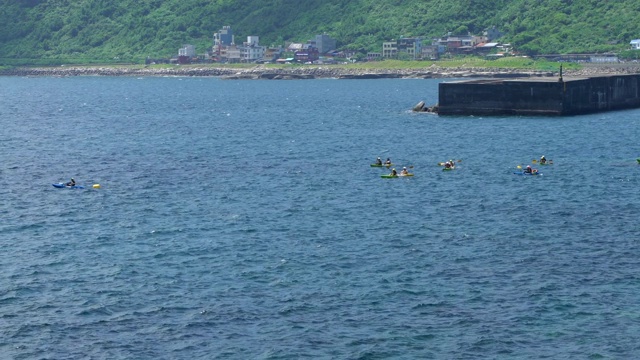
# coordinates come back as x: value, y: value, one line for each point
x: 134, y: 29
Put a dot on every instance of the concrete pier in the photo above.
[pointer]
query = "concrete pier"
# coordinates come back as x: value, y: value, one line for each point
x: 539, y: 96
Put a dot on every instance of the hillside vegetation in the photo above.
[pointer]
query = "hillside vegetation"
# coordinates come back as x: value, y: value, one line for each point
x: 43, y: 31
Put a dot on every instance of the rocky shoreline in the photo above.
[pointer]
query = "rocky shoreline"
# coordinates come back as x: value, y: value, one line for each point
x: 310, y: 72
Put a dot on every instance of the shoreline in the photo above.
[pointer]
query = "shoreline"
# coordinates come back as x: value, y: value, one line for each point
x: 313, y: 72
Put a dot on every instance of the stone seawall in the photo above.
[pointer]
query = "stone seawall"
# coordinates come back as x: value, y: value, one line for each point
x: 309, y: 72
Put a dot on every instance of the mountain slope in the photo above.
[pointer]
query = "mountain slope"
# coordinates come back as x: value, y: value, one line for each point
x: 135, y: 29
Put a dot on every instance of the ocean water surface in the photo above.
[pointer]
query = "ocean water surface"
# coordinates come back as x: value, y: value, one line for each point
x: 241, y: 220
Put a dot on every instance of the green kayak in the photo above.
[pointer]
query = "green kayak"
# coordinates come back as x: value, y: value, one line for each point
x: 389, y: 176
x: 381, y: 165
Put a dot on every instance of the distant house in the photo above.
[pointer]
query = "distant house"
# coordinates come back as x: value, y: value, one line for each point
x: 453, y: 44
x: 430, y: 52
x: 323, y: 43
x: 348, y: 53
x: 310, y: 54
x: 186, y: 54
x: 285, y: 61
x: 224, y: 36
x: 373, y: 56
x: 293, y: 47
x: 486, y: 48
x: 272, y: 53
x: 221, y: 40
x: 251, y: 50
x: 410, y: 46
x: 635, y: 44
x: 230, y: 54
x: 607, y: 58
x: 390, y: 49
x: 187, y: 50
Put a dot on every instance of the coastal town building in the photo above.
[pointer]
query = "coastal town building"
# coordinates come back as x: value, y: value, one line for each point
x: 251, y: 50
x: 306, y: 54
x: 186, y: 54
x: 393, y: 49
x: 229, y: 54
x: 272, y: 53
x: 410, y: 46
x: 187, y: 50
x: 390, y: 49
x: 222, y: 39
x: 374, y: 56
x: 224, y: 36
x: 293, y: 47
x: 324, y: 43
x: 430, y: 53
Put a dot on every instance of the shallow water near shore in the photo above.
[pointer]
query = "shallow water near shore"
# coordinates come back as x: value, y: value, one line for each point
x: 241, y: 219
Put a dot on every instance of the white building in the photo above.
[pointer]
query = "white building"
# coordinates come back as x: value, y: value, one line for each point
x: 251, y: 50
x: 635, y: 44
x: 187, y: 50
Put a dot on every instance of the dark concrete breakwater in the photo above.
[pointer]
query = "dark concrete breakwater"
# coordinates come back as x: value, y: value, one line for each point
x: 312, y: 72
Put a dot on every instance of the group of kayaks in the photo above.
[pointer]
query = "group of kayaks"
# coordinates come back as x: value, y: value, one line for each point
x: 451, y: 165
x: 446, y: 166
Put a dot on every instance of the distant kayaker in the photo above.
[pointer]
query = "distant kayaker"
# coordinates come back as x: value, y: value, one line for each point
x: 447, y: 165
x: 388, y: 162
x: 404, y: 171
x: 378, y: 161
x: 71, y: 183
x: 394, y: 172
x: 529, y: 170
x: 543, y: 160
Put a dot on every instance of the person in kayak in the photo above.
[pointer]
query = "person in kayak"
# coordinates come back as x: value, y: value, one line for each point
x: 388, y: 162
x: 404, y: 171
x: 378, y: 161
x: 394, y: 172
x: 543, y: 160
x: 71, y: 183
x: 447, y: 165
x: 529, y: 170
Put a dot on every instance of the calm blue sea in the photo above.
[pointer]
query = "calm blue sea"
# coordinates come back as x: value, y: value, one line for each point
x: 241, y: 220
